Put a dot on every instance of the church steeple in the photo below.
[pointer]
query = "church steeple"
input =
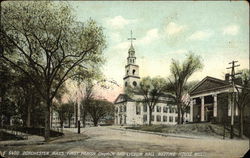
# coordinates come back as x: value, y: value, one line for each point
x: 131, y: 52
x: 132, y: 70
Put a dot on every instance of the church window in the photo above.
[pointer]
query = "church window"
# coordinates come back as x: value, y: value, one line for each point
x: 125, y: 108
x: 133, y: 71
x: 145, y: 118
x: 138, y: 110
x: 127, y: 72
x: 145, y: 108
x: 120, y: 109
x: 158, y: 109
x: 158, y: 118
x: 165, y: 118
x: 126, y: 84
x: 134, y: 83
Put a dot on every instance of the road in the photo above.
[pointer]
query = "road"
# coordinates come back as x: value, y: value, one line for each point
x: 109, y: 141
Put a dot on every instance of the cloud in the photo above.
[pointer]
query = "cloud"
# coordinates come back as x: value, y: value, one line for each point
x: 173, y: 28
x: 151, y: 35
x: 231, y: 30
x: 118, y: 22
x: 200, y: 35
x: 114, y: 36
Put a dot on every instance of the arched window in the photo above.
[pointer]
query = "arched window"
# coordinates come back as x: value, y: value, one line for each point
x: 126, y: 84
x: 133, y: 71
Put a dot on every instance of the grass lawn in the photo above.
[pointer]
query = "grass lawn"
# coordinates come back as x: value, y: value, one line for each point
x: 202, y: 129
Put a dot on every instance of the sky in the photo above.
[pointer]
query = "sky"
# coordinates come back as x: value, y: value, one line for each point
x: 216, y: 31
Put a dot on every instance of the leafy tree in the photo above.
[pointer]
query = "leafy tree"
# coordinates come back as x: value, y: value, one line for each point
x: 243, y: 97
x: 152, y: 91
x: 180, y: 73
x: 98, y: 109
x: 46, y: 43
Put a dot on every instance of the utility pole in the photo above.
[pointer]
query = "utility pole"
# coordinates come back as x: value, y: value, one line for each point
x: 233, y: 74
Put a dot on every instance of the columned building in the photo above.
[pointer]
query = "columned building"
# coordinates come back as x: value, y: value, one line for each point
x: 211, y: 100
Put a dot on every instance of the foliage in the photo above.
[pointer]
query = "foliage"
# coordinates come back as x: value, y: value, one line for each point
x: 45, y: 42
x: 180, y: 73
x: 98, y: 109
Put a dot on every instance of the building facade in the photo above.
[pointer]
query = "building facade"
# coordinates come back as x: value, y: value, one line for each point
x: 127, y: 109
x: 211, y: 100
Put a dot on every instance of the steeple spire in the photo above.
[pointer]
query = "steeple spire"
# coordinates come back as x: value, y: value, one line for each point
x: 131, y: 37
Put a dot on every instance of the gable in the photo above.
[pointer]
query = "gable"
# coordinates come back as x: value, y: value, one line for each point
x: 122, y: 98
x: 208, y: 84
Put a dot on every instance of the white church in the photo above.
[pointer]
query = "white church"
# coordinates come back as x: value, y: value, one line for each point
x: 129, y: 112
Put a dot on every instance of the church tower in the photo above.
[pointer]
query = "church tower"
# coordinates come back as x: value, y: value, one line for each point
x: 131, y: 69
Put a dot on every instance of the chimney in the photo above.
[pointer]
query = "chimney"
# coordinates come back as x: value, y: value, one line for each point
x: 227, y: 75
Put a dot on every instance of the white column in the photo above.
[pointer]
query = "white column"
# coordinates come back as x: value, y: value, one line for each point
x: 202, y: 108
x: 191, y: 110
x: 215, y: 105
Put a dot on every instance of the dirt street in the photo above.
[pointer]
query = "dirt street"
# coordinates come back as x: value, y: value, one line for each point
x: 110, y: 142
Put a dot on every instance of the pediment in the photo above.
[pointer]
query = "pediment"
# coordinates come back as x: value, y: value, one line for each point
x: 121, y: 98
x: 209, y: 83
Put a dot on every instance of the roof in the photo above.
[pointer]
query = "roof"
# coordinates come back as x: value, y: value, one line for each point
x: 125, y: 98
x: 209, y: 84
x: 122, y: 98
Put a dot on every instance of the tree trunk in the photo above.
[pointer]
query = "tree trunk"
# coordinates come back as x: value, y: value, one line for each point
x: 76, y: 115
x: 182, y: 117
x: 150, y: 116
x: 95, y: 122
x: 69, y: 121
x: 241, y: 122
x: 179, y: 113
x: 61, y: 123
x: 47, y: 121
x: 28, y: 115
x: 84, y: 118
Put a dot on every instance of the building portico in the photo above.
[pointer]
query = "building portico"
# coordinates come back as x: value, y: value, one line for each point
x: 205, y: 106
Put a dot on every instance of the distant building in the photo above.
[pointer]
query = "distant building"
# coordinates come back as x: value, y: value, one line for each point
x: 129, y: 112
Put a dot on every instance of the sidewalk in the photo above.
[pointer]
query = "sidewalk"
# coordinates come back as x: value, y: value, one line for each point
x: 32, y: 139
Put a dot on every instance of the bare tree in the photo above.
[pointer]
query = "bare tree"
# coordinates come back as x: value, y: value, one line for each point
x: 43, y: 40
x: 243, y: 98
